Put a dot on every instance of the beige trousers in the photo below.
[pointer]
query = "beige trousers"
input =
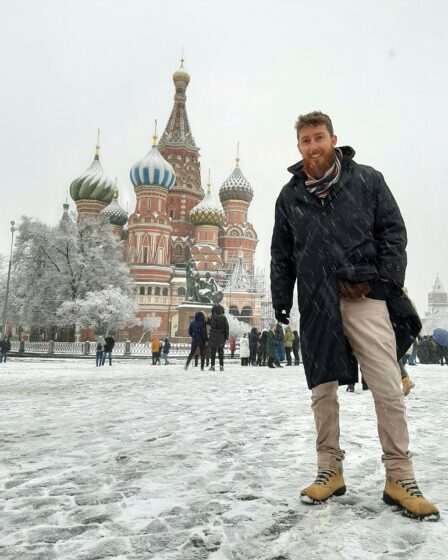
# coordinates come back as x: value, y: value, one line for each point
x: 368, y: 329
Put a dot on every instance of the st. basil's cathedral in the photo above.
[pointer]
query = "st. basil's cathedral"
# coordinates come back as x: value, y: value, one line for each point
x: 175, y: 221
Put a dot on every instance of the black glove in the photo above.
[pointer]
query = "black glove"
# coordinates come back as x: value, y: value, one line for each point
x: 282, y: 316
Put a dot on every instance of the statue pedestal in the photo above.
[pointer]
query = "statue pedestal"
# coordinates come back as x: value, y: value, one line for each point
x: 187, y: 310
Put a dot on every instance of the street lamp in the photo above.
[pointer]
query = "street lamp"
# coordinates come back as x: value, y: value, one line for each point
x: 5, y: 303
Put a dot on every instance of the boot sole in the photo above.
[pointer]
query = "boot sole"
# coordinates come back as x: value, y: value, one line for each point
x: 392, y: 502
x: 311, y: 501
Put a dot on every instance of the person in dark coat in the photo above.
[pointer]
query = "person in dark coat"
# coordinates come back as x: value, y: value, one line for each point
x: 166, y: 350
x: 253, y: 343
x: 271, y: 346
x: 99, y: 352
x: 5, y: 347
x: 219, y: 333
x: 198, y: 335
x: 261, y: 349
x: 109, y: 343
x: 296, y: 348
x: 339, y: 234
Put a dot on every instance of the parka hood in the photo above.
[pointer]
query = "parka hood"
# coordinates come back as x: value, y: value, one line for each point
x: 297, y: 169
x: 218, y: 309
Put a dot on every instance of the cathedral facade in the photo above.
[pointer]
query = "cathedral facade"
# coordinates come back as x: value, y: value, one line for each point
x: 174, y: 221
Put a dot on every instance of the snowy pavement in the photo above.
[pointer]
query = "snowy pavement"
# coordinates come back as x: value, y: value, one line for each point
x: 136, y: 461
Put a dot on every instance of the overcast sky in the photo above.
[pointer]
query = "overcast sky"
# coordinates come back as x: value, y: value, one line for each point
x: 377, y: 67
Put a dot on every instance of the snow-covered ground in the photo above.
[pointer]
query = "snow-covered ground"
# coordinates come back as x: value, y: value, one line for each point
x: 136, y: 461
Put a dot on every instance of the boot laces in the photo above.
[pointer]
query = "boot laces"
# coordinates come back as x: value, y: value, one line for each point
x: 410, y: 485
x: 324, y: 475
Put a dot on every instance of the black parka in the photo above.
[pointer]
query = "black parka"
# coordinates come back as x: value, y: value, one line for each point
x: 219, y: 327
x: 357, y: 234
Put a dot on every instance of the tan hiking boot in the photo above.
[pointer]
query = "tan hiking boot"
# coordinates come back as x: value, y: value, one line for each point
x: 328, y: 483
x: 405, y: 493
x: 407, y: 385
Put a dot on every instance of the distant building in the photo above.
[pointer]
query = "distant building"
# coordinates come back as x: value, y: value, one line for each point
x: 437, y: 314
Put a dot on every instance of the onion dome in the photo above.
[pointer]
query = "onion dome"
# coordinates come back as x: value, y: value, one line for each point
x: 208, y: 212
x: 236, y: 187
x: 114, y: 213
x: 181, y: 75
x: 153, y: 169
x: 93, y: 184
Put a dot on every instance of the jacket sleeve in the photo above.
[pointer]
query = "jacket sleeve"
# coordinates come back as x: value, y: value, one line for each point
x: 390, y: 235
x: 227, y: 328
x: 283, y: 275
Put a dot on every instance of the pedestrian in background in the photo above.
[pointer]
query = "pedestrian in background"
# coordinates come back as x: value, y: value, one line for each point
x: 198, y: 334
x: 166, y: 350
x: 280, y: 338
x: 271, y: 346
x: 244, y: 350
x: 232, y: 346
x: 155, y: 347
x: 5, y: 347
x: 289, y: 340
x: 253, y: 343
x: 296, y: 348
x: 109, y: 343
x: 261, y: 349
x: 219, y: 333
x: 99, y: 352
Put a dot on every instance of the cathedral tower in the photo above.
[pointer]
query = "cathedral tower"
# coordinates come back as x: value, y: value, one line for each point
x: 178, y: 147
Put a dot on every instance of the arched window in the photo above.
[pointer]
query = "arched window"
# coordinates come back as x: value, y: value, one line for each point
x: 171, y: 214
x: 165, y: 292
x: 181, y: 292
x: 142, y: 291
x: 178, y: 250
x: 246, y: 314
x: 157, y: 291
x: 149, y: 291
x: 145, y: 255
x: 233, y: 310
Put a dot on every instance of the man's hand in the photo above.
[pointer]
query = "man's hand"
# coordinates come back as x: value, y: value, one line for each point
x: 282, y: 316
x: 353, y: 291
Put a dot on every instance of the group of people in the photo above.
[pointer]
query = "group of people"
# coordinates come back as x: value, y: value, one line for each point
x: 269, y: 347
x: 160, y: 348
x: 104, y: 347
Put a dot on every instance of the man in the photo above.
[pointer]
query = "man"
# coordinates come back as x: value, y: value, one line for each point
x: 109, y: 343
x: 5, y: 347
x: 339, y: 232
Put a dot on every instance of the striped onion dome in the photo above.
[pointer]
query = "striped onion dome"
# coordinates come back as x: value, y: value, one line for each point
x: 181, y: 75
x: 208, y: 212
x: 153, y: 169
x: 93, y: 184
x: 114, y: 213
x: 236, y: 187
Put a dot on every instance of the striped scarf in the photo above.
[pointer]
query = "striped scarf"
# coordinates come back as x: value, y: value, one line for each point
x: 321, y: 187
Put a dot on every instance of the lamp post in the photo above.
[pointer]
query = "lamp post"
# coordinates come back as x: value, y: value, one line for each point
x: 5, y: 304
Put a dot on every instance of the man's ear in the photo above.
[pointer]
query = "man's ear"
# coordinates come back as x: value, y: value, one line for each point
x: 334, y: 140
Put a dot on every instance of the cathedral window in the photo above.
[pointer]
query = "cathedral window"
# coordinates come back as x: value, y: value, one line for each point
x: 149, y: 291
x: 181, y: 292
x: 165, y: 291
x: 145, y: 255
x: 142, y: 291
x: 157, y: 291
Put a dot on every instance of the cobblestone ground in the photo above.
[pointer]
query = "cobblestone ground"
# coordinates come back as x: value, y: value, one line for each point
x: 137, y: 461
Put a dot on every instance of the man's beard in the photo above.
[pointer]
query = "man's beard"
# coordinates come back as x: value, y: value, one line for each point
x: 316, y: 170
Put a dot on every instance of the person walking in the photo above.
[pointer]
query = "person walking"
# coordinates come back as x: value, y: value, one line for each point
x: 280, y: 337
x: 198, y: 334
x: 5, y: 347
x: 155, y: 348
x: 289, y: 340
x: 339, y: 233
x: 99, y: 352
x: 109, y: 343
x: 244, y: 350
x: 219, y: 333
x: 261, y: 349
x: 166, y: 350
x: 232, y: 346
x: 271, y: 346
x: 253, y: 343
x: 296, y: 348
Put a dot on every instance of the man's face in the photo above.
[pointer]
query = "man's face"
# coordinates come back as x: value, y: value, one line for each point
x: 316, y: 146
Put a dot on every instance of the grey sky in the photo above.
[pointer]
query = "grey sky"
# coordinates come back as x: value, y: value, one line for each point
x: 377, y: 67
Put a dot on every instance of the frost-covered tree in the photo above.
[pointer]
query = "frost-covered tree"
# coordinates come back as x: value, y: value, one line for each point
x: 149, y: 323
x: 236, y: 328
x: 105, y: 311
x: 52, y: 265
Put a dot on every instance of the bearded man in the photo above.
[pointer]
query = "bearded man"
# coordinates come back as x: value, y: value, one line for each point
x: 339, y: 233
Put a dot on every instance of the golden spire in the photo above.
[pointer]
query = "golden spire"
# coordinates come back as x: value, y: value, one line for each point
x: 115, y: 189
x: 97, y: 148
x: 238, y: 154
x: 154, y: 136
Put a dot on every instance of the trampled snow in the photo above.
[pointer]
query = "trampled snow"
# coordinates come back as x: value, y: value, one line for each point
x: 136, y: 461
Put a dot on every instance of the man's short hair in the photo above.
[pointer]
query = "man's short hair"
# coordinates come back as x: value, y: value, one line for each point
x: 314, y: 118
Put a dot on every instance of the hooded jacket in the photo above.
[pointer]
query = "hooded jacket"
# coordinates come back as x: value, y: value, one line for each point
x: 356, y: 234
x: 197, y: 331
x: 219, y: 327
